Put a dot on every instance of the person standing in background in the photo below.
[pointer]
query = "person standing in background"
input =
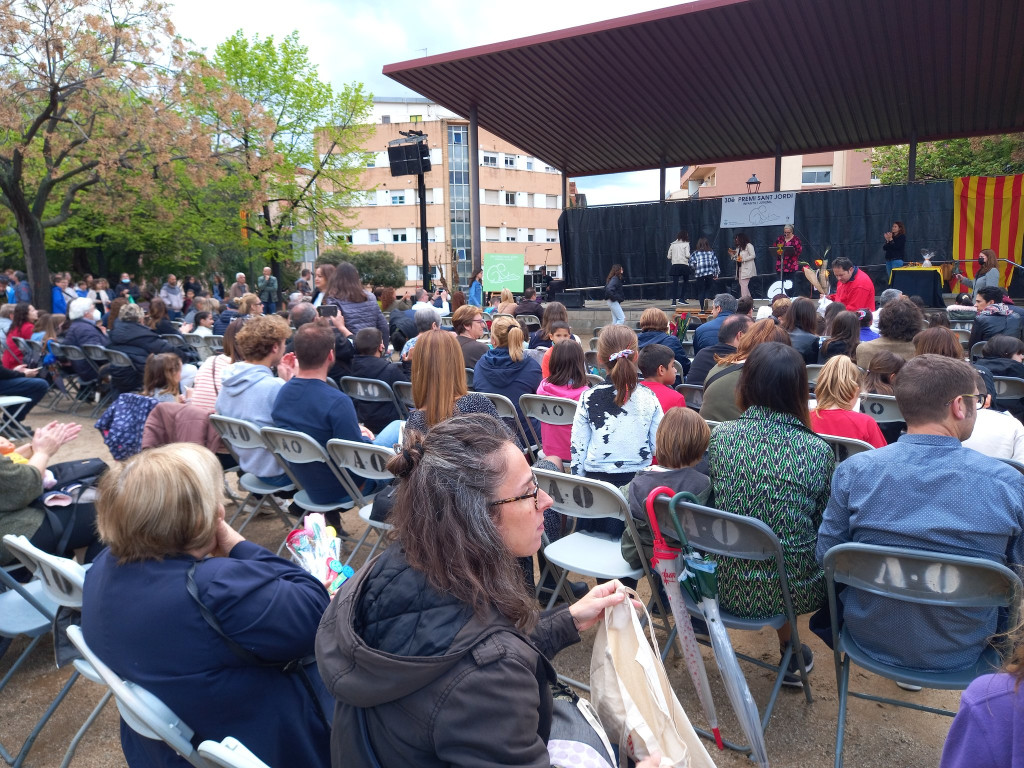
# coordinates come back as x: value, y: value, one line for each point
x: 266, y: 285
x: 895, y: 248
x: 744, y: 255
x: 706, y: 268
x: 615, y: 295
x: 238, y: 288
x: 476, y: 289
x: 679, y: 256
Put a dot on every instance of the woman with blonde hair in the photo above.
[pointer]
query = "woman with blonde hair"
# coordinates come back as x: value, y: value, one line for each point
x: 722, y: 381
x: 439, y: 383
x: 835, y: 412
x: 171, y: 554
x: 249, y: 305
x: 505, y: 369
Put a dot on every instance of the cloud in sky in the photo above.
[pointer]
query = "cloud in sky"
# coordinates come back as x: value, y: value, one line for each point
x: 352, y: 40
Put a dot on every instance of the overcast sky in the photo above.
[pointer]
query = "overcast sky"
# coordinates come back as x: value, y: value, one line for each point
x: 352, y: 40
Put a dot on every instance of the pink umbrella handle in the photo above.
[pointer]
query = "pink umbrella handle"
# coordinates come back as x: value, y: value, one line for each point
x: 661, y: 549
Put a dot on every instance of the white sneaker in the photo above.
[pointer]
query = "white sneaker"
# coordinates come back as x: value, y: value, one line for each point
x: 908, y: 686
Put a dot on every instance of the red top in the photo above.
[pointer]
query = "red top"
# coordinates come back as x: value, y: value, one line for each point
x: 667, y: 396
x: 858, y: 293
x: 842, y: 423
x: 12, y: 355
x: 790, y: 261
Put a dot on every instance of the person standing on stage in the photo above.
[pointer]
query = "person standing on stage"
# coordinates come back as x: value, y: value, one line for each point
x: 744, y: 255
x: 615, y: 295
x: 854, y: 288
x: 895, y: 248
x: 706, y: 270
x: 679, y: 255
x: 985, y: 274
x: 789, y: 260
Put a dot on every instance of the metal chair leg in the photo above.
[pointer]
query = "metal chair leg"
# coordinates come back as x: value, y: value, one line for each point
x: 69, y: 755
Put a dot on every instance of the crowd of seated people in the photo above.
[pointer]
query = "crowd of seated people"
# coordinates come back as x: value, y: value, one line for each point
x: 762, y: 456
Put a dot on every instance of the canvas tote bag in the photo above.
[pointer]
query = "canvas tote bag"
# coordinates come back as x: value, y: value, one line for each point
x: 633, y: 697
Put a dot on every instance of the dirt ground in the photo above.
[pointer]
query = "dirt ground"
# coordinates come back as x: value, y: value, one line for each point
x: 799, y: 734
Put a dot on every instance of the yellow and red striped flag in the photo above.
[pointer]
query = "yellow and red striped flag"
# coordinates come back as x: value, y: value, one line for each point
x: 988, y: 212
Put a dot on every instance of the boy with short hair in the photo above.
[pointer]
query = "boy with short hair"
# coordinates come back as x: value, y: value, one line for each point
x: 659, y: 374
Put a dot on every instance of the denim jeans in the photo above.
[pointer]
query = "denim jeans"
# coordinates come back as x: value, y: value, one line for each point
x: 618, y: 316
x: 890, y: 266
x: 269, y: 307
x: 389, y: 435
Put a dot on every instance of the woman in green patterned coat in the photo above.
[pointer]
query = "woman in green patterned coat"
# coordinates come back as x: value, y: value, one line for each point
x: 769, y: 465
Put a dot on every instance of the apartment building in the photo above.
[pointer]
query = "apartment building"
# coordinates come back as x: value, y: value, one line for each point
x: 848, y: 168
x: 520, y: 196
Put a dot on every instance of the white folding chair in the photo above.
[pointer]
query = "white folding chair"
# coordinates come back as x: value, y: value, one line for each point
x: 143, y: 712
x: 507, y: 412
x: 236, y: 434
x: 10, y: 407
x: 369, y: 461
x: 62, y: 580
x: 230, y: 753
x: 813, y: 371
x: 372, y: 391
x: 845, y: 447
x: 594, y: 380
x: 553, y: 411
x: 589, y: 554
x: 881, y: 408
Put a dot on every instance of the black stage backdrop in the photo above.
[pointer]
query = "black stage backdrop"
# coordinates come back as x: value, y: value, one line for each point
x: 848, y: 221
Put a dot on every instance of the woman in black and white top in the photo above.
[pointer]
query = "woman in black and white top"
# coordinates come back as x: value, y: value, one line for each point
x: 679, y: 255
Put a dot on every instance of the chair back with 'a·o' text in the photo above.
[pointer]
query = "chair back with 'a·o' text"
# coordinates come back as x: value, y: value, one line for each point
x: 912, y: 576
x: 845, y: 447
x: 369, y: 461
x: 881, y: 408
x: 141, y: 711
x: 293, y: 447
x: 554, y: 411
x: 372, y: 391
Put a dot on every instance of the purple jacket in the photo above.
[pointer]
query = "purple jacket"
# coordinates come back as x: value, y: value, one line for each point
x: 984, y: 733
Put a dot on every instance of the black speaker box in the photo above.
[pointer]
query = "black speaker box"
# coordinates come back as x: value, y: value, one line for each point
x: 573, y: 300
x: 409, y: 158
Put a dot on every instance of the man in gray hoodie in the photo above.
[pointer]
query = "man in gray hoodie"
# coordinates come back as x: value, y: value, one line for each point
x: 250, y: 388
x: 172, y: 297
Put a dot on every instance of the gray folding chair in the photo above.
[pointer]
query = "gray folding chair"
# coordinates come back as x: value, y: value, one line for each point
x: 679, y: 368
x: 403, y: 392
x: 369, y: 461
x: 65, y: 382
x: 594, y: 380
x: 845, y: 447
x: 216, y: 343
x: 694, y: 394
x: 141, y: 711
x: 813, y: 371
x: 507, y: 412
x: 593, y: 344
x: 881, y: 408
x: 84, y: 389
x: 293, y: 447
x: 1008, y: 388
x: 688, y: 348
x: 725, y: 534
x: 240, y: 434
x: 923, y: 578
x: 230, y: 753
x: 532, y: 321
x: 10, y: 408
x: 372, y: 391
x: 469, y: 378
x: 198, y: 343
x: 554, y: 411
x: 592, y: 363
x: 976, y: 350
x: 173, y: 339
x: 118, y: 361
x: 62, y: 581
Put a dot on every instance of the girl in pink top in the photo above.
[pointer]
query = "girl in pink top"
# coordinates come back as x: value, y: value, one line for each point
x: 568, y: 379
x: 837, y: 393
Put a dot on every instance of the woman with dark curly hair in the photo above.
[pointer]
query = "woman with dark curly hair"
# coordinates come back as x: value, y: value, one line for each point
x: 898, y: 323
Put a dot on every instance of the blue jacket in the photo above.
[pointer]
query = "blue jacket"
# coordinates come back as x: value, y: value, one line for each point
x: 58, y: 301
x: 706, y: 335
x: 476, y: 294
x: 140, y: 620
x: 498, y: 373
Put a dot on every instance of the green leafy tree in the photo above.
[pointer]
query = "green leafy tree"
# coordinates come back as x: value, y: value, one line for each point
x: 307, y: 165
x: 984, y: 156
x: 92, y: 93
x: 379, y: 268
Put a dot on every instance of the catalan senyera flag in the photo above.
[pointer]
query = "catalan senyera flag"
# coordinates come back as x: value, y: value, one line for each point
x: 988, y: 212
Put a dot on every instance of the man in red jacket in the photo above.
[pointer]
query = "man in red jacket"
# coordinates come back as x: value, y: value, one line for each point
x: 855, y: 288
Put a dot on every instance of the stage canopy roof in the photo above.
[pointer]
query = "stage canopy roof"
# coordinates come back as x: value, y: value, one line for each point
x: 721, y: 80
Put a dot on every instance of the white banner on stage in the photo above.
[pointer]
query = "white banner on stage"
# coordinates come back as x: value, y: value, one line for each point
x: 770, y: 209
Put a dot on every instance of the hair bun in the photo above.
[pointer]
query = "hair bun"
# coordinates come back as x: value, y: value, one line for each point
x: 409, y: 457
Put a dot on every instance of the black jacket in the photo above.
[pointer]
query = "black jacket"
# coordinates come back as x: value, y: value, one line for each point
x: 704, y: 361
x: 988, y: 325
x: 613, y: 290
x: 806, y: 344
x: 138, y: 342
x: 376, y: 416
x: 438, y: 685
x: 81, y: 332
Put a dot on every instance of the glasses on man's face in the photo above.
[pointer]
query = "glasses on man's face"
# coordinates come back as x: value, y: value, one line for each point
x: 531, y: 495
x: 978, y: 398
x: 480, y: 320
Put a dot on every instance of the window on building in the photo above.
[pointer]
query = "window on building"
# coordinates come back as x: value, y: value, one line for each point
x: 415, y: 118
x: 551, y: 239
x: 374, y: 236
x: 816, y: 174
x: 348, y: 238
x: 398, y: 198
x: 510, y: 198
x: 371, y: 161
x: 874, y: 178
x: 510, y: 238
x: 490, y: 197
x: 492, y: 234
x: 549, y: 169
x: 529, y: 163
x: 385, y: 119
x: 552, y: 201
x: 429, y: 197
x: 398, y: 238
x: 529, y: 236
x: 510, y: 161
x: 491, y: 160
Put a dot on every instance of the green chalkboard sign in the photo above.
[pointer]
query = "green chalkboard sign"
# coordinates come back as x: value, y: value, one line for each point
x: 504, y: 270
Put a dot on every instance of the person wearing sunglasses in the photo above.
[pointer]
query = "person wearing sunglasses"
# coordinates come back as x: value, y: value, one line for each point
x: 926, y: 492
x: 436, y: 652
